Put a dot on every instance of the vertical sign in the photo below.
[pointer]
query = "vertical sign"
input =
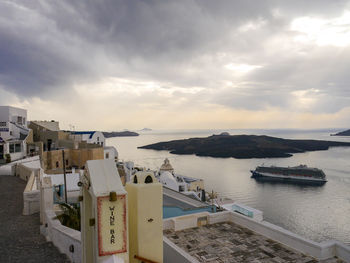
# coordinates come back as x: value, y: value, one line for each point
x: 111, y: 225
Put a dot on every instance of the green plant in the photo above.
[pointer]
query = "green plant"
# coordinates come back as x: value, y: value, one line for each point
x: 70, y: 216
x: 8, y: 158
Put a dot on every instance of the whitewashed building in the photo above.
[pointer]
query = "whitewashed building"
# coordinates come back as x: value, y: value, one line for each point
x: 95, y: 137
x: 179, y: 183
x: 111, y: 153
x: 13, y: 132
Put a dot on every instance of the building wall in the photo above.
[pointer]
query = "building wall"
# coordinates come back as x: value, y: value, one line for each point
x: 196, y: 184
x: 47, y: 136
x: 47, y: 125
x: 97, y: 138
x: 10, y: 114
x: 13, y: 122
x: 73, y: 157
x: 54, y: 159
x: 16, y: 149
x: 110, y: 153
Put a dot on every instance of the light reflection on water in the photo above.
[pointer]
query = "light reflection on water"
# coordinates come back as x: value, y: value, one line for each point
x: 318, y: 213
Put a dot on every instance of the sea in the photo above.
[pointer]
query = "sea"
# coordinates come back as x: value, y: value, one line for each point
x: 318, y: 213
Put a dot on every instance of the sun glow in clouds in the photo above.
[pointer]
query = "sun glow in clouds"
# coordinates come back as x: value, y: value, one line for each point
x: 241, y: 68
x: 323, y: 32
x: 305, y: 99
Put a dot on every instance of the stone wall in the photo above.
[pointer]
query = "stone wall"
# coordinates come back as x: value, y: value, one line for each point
x: 73, y: 157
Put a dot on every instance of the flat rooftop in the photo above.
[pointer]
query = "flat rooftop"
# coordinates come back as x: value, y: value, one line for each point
x: 229, y: 242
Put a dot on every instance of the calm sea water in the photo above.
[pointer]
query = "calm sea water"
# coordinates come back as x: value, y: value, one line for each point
x: 318, y: 213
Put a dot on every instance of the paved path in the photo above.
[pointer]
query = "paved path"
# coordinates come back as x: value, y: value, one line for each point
x: 20, y: 239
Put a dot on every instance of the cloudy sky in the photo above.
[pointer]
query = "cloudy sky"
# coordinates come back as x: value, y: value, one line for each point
x: 111, y: 65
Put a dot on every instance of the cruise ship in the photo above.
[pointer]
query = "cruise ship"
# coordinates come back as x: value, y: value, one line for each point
x: 298, y: 174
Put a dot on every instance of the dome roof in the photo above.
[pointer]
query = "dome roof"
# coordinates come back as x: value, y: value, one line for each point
x: 166, y: 166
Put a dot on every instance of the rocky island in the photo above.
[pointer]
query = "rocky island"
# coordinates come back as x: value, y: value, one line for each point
x: 119, y: 134
x: 343, y: 133
x: 242, y: 146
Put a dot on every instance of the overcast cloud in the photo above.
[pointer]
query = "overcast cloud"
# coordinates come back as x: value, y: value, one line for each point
x: 178, y: 64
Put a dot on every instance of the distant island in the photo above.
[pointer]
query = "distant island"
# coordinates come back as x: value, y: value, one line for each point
x: 242, y: 146
x: 120, y: 134
x: 343, y: 133
x: 146, y: 129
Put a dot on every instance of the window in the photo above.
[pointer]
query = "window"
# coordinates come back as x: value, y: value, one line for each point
x: 18, y: 147
x: 67, y: 162
x: 3, y: 124
x: 101, y: 143
x: 98, y: 139
x: 12, y: 148
x: 107, y: 156
x: 57, y: 164
x: 19, y: 120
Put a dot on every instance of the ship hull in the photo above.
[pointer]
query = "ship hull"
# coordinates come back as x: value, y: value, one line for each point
x: 285, y: 179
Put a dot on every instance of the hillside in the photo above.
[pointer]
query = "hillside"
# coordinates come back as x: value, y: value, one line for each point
x: 119, y: 134
x: 343, y: 133
x: 242, y: 146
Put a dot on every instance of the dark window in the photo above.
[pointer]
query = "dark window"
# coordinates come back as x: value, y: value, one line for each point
x: 49, y: 143
x: 148, y: 179
x: 107, y: 155
x: 12, y: 148
x: 17, y: 147
x: 67, y: 162
x: 57, y: 164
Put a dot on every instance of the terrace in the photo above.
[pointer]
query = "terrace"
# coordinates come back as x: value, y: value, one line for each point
x: 229, y: 242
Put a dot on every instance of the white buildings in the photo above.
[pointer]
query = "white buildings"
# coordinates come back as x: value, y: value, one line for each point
x: 110, y: 152
x: 179, y: 183
x: 95, y: 137
x: 13, y: 133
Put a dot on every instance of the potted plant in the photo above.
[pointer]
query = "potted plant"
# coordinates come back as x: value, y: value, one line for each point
x: 70, y: 216
x: 8, y: 158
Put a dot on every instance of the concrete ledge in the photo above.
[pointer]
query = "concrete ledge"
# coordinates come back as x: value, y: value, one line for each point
x: 342, y: 251
x: 174, y: 254
x: 31, y: 202
x: 8, y: 169
x: 67, y: 240
x: 284, y: 237
x: 321, y: 251
x: 184, y: 222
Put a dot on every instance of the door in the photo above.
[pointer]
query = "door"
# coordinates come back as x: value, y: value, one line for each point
x: 1, y: 151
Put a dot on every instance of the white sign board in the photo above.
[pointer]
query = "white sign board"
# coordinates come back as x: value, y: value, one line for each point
x: 112, y: 235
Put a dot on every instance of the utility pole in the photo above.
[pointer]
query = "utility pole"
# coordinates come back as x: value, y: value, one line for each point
x: 65, y: 179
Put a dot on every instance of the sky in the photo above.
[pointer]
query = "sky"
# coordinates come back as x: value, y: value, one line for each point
x: 113, y: 65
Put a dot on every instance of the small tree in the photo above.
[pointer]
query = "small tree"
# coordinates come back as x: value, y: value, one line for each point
x: 8, y: 158
x: 70, y: 216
